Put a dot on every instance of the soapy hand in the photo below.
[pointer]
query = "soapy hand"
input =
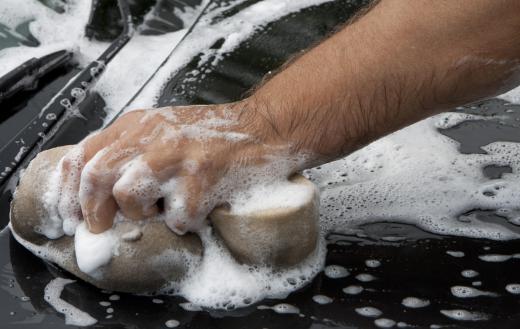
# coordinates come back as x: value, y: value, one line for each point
x: 178, y: 163
x: 356, y: 86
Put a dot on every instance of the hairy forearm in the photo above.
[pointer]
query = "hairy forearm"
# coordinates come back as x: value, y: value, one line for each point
x: 399, y: 63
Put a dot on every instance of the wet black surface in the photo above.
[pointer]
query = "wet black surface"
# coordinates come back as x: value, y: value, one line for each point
x: 413, y: 262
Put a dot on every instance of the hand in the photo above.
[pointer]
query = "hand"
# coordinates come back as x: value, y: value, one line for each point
x: 178, y: 163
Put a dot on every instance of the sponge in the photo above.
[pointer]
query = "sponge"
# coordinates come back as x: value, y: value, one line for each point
x: 149, y: 256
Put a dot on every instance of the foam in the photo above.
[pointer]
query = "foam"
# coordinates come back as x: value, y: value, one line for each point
x: 336, y: 272
x: 94, y: 250
x: 469, y: 292
x: 513, y: 288
x: 282, y: 308
x: 512, y: 96
x: 220, y: 282
x: 368, y: 311
x: 53, y: 227
x: 114, y: 297
x: 69, y: 34
x: 417, y: 176
x: 469, y: 273
x: 372, y: 263
x: 464, y: 315
x: 322, y: 299
x: 384, y: 181
x: 353, y: 290
x: 73, y: 315
x: 172, y: 323
x: 233, y: 30
x: 384, y: 323
x: 497, y: 258
x: 414, y: 302
x: 190, y: 307
x: 271, y: 196
x: 456, y: 254
x: 365, y: 277
x: 42, y: 251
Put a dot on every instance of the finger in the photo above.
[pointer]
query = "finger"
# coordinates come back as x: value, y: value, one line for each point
x: 70, y: 168
x: 188, y: 205
x: 137, y: 191
x: 98, y: 177
x: 69, y: 209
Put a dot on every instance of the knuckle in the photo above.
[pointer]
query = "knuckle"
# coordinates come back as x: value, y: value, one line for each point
x: 92, y: 175
x: 132, y: 115
x: 66, y: 164
x: 122, y: 195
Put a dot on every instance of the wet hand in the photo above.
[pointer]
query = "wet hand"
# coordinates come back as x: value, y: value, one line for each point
x: 177, y: 164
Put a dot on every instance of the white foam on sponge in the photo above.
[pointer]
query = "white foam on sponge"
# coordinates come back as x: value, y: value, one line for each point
x: 219, y: 281
x: 276, y: 195
x: 94, y: 250
x: 52, y: 228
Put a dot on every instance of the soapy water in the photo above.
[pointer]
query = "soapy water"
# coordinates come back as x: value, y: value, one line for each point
x: 368, y: 311
x: 464, y: 315
x: 414, y: 302
x: 73, y: 315
x: 469, y: 292
x: 417, y: 176
x: 220, y: 282
x: 384, y: 181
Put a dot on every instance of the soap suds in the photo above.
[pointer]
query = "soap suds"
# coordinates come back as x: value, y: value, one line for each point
x: 379, y: 182
x: 368, y: 311
x: 512, y: 96
x: 220, y: 282
x: 469, y: 292
x: 353, y: 290
x: 414, y: 302
x: 384, y: 323
x: 282, y: 308
x: 94, y: 250
x: 336, y: 271
x: 365, y: 277
x: 513, y: 288
x: 372, y: 263
x: 497, y: 258
x: 469, y: 273
x: 464, y: 315
x: 385, y: 182
x: 322, y: 299
x: 73, y: 315
x: 456, y: 254
x: 172, y: 323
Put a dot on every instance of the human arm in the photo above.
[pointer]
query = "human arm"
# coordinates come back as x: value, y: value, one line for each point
x: 399, y: 63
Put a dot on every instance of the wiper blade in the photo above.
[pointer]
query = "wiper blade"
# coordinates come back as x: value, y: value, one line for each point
x: 61, y: 107
x: 27, y: 75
